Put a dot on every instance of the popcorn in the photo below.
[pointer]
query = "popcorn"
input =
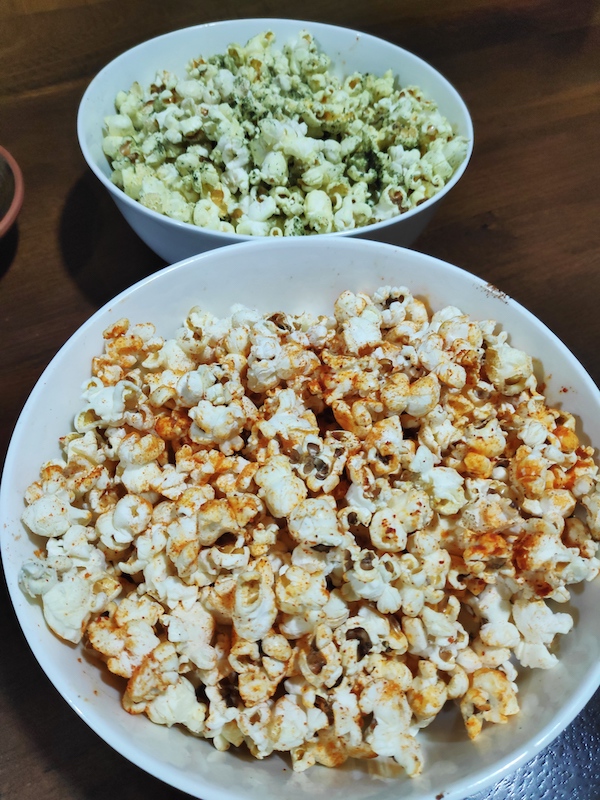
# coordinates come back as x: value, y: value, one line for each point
x: 313, y: 522
x: 268, y: 147
x: 158, y: 671
x: 177, y: 705
x: 389, y: 735
x: 281, y: 489
x: 310, y: 534
x: 427, y: 694
x: 192, y: 629
x: 126, y: 636
x: 538, y: 626
x: 52, y: 514
x: 254, y: 609
x: 130, y: 517
x: 491, y: 698
x: 70, y: 602
x: 509, y: 369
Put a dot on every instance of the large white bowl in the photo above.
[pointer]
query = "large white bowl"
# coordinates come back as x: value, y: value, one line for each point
x: 349, y: 50
x: 292, y: 276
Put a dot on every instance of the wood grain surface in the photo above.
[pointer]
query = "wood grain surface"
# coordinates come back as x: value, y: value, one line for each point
x: 526, y: 217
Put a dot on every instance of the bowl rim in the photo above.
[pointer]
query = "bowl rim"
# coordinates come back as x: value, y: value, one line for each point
x: 233, y: 238
x: 476, y: 781
x: 17, y: 201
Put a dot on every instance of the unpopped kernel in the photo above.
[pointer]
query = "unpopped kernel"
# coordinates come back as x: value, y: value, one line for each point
x: 308, y: 534
x: 270, y: 142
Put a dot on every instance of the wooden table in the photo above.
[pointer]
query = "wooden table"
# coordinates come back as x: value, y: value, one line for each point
x: 526, y: 217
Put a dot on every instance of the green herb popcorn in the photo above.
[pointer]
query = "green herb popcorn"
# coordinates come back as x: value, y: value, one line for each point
x: 270, y: 142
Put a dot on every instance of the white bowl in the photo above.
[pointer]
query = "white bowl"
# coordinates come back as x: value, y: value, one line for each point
x: 349, y: 51
x: 292, y: 276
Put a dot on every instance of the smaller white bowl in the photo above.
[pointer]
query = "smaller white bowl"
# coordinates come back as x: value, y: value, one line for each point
x: 349, y: 51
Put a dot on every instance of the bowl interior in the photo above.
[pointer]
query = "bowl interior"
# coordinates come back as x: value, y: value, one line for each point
x: 295, y: 276
x: 349, y: 50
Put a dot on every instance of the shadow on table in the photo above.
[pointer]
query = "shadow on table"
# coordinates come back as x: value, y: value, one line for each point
x: 8, y: 248
x: 101, y: 252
